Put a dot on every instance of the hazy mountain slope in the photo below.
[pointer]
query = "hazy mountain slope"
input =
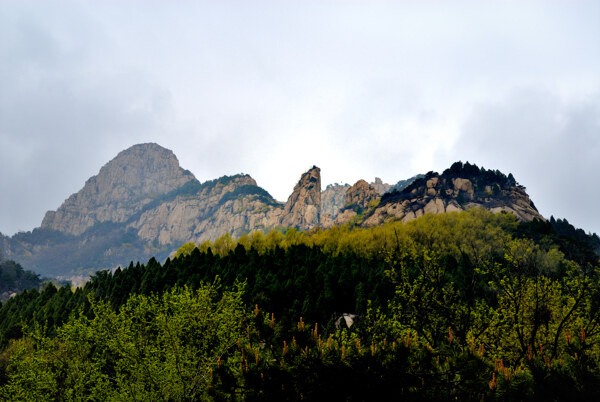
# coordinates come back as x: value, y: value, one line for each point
x: 333, y: 198
x: 402, y: 184
x: 14, y: 279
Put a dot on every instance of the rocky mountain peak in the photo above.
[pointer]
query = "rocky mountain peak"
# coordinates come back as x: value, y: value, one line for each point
x: 333, y: 198
x: 360, y: 194
x: 358, y: 199
x: 460, y: 187
x: 151, y: 206
x: 123, y: 186
x: 303, y: 207
x: 380, y: 186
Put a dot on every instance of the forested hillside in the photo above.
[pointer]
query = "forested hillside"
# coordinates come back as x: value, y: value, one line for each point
x: 14, y: 279
x: 467, y: 305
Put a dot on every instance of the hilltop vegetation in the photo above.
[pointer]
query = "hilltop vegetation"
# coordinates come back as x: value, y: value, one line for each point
x: 465, y: 305
x: 485, y: 181
x: 14, y: 279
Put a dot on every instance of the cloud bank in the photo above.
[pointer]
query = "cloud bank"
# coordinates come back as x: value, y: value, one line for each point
x: 384, y: 89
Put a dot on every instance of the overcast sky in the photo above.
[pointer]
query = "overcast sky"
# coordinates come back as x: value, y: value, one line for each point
x: 358, y: 88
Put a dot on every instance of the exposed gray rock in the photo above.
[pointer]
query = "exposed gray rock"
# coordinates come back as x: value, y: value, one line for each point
x: 215, y: 209
x: 122, y: 188
x: 303, y: 207
x: 143, y: 204
x: 439, y: 194
x: 380, y: 186
x: 360, y: 194
x: 333, y: 198
x: 402, y: 184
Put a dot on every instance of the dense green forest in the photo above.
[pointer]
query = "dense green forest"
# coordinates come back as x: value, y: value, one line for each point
x: 14, y: 279
x: 467, y: 306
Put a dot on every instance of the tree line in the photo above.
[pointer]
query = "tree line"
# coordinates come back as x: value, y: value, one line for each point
x: 467, y: 305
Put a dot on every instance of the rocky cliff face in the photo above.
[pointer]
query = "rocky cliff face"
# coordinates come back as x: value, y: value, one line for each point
x: 339, y: 202
x: 360, y: 195
x: 380, y: 186
x: 449, y: 192
x: 359, y: 199
x: 303, y: 207
x: 143, y: 204
x: 333, y: 198
x: 122, y: 188
x: 230, y: 204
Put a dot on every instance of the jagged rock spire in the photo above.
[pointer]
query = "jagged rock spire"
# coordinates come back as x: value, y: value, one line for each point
x: 303, y: 207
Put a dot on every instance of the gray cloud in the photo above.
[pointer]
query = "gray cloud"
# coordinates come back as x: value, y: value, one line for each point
x: 59, y: 119
x: 551, y: 145
x: 270, y: 88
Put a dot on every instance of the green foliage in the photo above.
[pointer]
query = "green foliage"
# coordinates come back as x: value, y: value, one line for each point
x: 481, y: 175
x: 466, y: 306
x: 259, y: 193
x: 154, y: 348
x: 13, y: 278
x: 481, y: 178
x: 184, y: 250
x: 575, y: 244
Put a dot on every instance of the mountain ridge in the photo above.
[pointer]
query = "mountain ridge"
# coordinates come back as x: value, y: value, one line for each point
x: 460, y: 187
x: 143, y: 204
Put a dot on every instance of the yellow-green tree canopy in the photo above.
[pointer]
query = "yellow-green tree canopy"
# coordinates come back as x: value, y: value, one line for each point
x: 186, y: 249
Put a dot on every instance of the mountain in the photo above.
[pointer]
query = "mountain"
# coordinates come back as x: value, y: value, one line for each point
x: 358, y: 198
x: 402, y: 184
x: 333, y: 198
x: 122, y: 188
x: 143, y: 204
x: 303, y: 208
x: 447, y: 306
x: 458, y: 188
x: 380, y: 186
